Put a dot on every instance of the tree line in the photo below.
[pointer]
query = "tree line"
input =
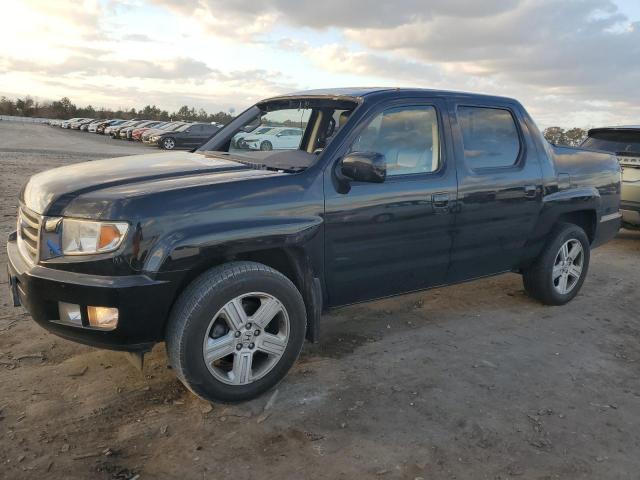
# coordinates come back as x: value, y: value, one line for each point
x: 64, y: 109
x: 559, y: 136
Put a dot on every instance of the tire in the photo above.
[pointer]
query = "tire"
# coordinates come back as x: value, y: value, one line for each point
x: 202, y: 323
x: 266, y: 146
x: 553, y: 278
x: 168, y: 143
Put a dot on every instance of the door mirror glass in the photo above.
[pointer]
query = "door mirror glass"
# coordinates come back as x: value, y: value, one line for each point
x: 364, y: 167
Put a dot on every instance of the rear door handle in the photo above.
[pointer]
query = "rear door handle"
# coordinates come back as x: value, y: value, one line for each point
x: 530, y: 191
x: 440, y: 199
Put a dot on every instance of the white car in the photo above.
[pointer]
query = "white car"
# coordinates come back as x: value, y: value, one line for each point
x: 67, y: 123
x: 276, y: 138
x: 237, y: 139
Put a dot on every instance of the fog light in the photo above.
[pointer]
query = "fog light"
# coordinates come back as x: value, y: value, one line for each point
x: 70, y: 313
x: 104, y: 318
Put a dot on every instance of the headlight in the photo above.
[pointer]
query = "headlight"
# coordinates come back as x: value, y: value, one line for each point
x: 83, y: 237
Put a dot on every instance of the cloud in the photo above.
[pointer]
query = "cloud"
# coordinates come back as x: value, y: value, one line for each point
x: 581, y: 50
x: 137, y: 37
x: 339, y: 59
x: 333, y: 13
x: 178, y: 68
x: 577, y: 59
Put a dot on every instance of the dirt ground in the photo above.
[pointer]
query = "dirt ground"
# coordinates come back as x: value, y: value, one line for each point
x: 474, y: 381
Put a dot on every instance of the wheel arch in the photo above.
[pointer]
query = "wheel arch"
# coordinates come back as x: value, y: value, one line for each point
x: 586, y: 219
x: 291, y: 262
x: 579, y: 206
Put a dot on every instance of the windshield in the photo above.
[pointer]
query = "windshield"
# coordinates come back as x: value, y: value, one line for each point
x: 614, y: 141
x: 284, y: 134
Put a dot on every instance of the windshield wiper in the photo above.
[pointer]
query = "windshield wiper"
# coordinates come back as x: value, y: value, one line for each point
x: 264, y: 166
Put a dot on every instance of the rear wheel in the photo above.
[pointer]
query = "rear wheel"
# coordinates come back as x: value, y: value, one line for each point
x: 235, y: 331
x: 557, y: 275
x: 168, y: 143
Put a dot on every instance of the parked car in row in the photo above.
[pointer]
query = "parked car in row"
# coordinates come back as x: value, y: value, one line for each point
x: 125, y: 133
x: 169, y: 127
x: 68, y: 123
x: 101, y: 129
x: 231, y: 256
x: 96, y: 126
x: 115, y: 131
x: 137, y: 132
x: 274, y: 138
x: 624, y: 142
x: 190, y: 135
x: 79, y: 123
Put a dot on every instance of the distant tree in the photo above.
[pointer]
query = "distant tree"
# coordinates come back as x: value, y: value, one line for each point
x: 574, y: 136
x: 559, y: 136
x: 554, y: 135
x: 24, y: 106
x: 7, y: 106
x: 65, y: 109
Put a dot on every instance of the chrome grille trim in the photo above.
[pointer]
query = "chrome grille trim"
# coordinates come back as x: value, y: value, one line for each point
x: 29, y: 224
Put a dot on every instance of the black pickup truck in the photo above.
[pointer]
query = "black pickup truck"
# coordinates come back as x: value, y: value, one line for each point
x: 230, y: 256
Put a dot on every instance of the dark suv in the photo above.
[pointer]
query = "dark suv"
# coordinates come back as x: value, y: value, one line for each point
x: 231, y: 255
x: 191, y: 135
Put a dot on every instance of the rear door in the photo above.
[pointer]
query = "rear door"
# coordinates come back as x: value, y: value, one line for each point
x: 387, y: 238
x: 499, y: 188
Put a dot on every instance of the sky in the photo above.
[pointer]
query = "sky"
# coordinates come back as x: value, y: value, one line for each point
x: 570, y: 62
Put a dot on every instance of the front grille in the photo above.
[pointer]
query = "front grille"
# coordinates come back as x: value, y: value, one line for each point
x: 29, y: 233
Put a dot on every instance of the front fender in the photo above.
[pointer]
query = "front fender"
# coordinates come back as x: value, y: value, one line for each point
x: 186, y: 248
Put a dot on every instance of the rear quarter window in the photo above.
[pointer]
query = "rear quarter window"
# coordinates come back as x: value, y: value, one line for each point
x: 490, y: 137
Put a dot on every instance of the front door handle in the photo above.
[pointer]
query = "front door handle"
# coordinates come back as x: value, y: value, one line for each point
x: 440, y: 202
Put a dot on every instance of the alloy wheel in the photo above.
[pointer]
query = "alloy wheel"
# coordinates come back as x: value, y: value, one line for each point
x: 567, y: 267
x: 246, y: 338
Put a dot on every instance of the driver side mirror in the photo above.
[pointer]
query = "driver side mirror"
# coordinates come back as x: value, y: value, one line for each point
x: 368, y: 167
x: 279, y: 134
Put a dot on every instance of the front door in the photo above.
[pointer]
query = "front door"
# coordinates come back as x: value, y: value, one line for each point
x: 392, y: 237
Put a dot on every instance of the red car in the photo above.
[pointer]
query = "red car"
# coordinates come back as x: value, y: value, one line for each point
x: 136, y: 133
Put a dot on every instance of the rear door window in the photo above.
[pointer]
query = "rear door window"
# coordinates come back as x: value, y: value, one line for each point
x: 490, y: 137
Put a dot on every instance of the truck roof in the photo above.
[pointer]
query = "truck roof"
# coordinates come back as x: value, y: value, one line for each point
x: 361, y: 92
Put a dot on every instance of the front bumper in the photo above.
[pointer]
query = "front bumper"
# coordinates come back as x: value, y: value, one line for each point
x: 143, y: 302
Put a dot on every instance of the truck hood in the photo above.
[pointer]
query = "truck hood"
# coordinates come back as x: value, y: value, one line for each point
x: 51, y: 191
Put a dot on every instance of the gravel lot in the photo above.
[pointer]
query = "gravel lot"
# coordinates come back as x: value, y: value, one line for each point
x: 473, y: 381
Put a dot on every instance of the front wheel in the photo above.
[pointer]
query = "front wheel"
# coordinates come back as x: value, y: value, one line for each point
x: 557, y: 275
x: 266, y: 146
x: 236, y: 331
x: 168, y: 143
